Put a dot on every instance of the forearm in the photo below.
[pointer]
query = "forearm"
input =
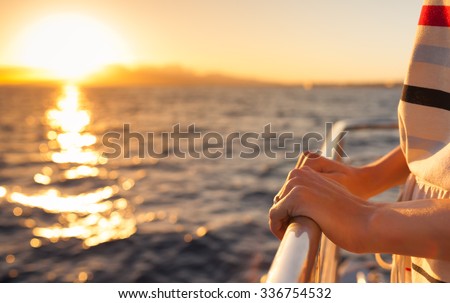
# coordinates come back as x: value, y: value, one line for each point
x: 386, y: 172
x: 416, y: 228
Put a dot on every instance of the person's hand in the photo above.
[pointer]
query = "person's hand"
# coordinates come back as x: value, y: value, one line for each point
x: 356, y: 179
x: 340, y: 214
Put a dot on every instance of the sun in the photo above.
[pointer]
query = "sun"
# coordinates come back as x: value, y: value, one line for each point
x: 70, y: 46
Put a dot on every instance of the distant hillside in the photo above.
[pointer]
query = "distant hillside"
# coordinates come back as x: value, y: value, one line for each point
x: 118, y: 75
x: 23, y: 75
x: 160, y: 76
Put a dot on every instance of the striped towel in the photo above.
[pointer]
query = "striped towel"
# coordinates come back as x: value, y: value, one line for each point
x: 424, y: 110
x: 424, y: 123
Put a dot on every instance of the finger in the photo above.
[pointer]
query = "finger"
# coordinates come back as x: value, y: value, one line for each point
x: 296, y: 173
x: 301, y: 160
x: 292, y: 174
x: 307, y: 159
x: 278, y: 226
x: 276, y: 199
x: 281, y: 213
x: 295, y: 177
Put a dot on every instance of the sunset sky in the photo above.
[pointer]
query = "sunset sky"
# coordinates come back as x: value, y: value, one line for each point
x: 289, y: 41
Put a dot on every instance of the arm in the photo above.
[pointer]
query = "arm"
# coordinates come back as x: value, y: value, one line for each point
x: 415, y: 228
x: 418, y: 228
x: 386, y: 172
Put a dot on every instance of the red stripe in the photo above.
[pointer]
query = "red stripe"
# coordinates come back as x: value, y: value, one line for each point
x: 435, y: 15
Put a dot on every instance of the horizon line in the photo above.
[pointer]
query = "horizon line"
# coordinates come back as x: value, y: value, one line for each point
x: 164, y: 75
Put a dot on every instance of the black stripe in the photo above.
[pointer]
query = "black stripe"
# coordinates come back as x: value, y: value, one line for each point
x: 426, y: 96
x: 426, y: 275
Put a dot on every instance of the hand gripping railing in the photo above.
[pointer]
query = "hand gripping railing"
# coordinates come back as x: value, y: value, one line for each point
x: 305, y: 254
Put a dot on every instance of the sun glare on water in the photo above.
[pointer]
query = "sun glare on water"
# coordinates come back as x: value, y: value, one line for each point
x: 70, y: 46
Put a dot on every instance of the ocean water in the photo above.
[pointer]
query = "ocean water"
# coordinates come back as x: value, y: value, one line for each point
x: 69, y: 213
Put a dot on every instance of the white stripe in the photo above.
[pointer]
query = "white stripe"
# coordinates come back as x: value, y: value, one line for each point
x: 429, y: 76
x: 433, y: 35
x: 425, y: 122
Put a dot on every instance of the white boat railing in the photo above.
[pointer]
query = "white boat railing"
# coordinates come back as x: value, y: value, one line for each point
x: 305, y: 254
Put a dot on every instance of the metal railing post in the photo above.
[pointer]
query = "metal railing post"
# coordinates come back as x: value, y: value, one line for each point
x: 297, y: 254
